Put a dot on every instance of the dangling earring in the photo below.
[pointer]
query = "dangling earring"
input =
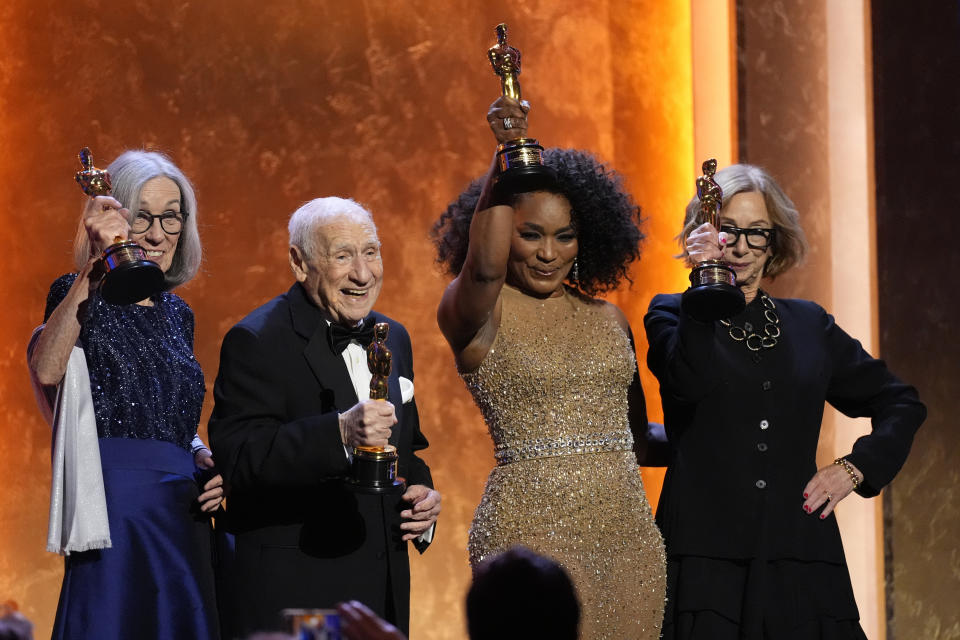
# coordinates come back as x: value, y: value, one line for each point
x: 575, y: 272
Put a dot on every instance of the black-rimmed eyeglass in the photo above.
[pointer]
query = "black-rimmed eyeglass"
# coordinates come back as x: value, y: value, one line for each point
x: 757, y: 238
x: 170, y: 222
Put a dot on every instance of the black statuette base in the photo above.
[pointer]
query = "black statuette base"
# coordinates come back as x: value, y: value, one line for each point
x: 369, y: 475
x: 130, y: 282
x: 535, y: 177
x: 715, y: 301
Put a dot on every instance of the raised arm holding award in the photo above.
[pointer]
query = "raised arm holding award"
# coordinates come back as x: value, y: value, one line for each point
x: 552, y: 369
x: 519, y: 160
x: 713, y: 292
x: 128, y: 275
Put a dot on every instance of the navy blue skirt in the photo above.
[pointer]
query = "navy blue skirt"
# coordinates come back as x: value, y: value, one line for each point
x: 156, y: 581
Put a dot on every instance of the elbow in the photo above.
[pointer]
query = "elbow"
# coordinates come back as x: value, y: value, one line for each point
x: 487, y: 274
x: 49, y: 381
x: 46, y: 376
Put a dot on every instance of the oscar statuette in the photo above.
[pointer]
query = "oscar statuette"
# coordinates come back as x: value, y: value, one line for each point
x: 374, y: 469
x: 713, y: 292
x: 128, y: 275
x: 519, y: 161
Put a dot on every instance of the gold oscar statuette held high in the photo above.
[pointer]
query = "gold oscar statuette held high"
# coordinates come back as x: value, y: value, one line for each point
x: 713, y: 292
x: 374, y: 469
x: 519, y: 161
x: 128, y: 275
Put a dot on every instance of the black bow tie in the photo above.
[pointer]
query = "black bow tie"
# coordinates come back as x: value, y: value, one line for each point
x: 340, y: 336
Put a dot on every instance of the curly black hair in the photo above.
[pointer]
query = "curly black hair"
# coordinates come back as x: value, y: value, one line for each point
x: 605, y: 217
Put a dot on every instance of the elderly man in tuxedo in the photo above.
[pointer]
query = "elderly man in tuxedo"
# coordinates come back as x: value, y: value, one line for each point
x: 291, y: 402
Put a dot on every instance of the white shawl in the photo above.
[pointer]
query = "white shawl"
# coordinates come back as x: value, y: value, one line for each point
x: 78, y: 503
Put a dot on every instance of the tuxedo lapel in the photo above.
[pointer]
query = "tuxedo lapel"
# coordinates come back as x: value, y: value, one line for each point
x: 328, y: 367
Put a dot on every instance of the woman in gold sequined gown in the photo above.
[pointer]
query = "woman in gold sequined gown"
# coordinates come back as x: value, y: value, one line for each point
x: 553, y: 371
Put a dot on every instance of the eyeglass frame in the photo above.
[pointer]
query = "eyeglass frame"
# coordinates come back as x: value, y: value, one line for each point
x: 161, y: 217
x: 767, y: 232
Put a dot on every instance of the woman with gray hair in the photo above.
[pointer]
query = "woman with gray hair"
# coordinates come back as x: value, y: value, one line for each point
x: 753, y: 547
x: 120, y: 385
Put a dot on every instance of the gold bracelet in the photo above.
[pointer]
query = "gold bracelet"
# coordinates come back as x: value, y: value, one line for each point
x: 849, y: 469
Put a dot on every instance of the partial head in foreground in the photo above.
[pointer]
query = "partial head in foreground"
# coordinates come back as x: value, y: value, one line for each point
x: 521, y: 595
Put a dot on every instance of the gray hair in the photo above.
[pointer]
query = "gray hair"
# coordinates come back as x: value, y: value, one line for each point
x: 128, y: 173
x: 308, y: 218
x: 789, y: 242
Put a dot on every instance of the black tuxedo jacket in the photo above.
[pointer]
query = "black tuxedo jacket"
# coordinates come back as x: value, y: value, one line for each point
x: 303, y: 539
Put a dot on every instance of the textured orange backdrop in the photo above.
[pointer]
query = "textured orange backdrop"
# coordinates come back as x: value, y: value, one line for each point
x: 266, y: 105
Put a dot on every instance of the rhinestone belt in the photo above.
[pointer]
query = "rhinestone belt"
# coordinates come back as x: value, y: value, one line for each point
x: 551, y: 447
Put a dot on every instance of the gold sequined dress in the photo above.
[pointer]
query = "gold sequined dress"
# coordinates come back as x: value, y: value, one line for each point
x: 553, y: 392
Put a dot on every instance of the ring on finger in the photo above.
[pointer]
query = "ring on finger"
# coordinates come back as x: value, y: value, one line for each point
x: 508, y: 123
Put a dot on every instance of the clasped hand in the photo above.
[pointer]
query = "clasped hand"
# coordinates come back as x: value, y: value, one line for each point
x: 503, y: 108
x: 423, y: 511
x: 212, y: 494
x: 367, y: 424
x: 705, y: 243
x: 105, y: 220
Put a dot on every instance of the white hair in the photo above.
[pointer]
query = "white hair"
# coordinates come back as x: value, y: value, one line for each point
x: 312, y: 215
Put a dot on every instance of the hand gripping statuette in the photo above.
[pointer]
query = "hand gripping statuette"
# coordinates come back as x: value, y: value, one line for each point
x: 519, y: 161
x: 713, y: 292
x: 128, y: 275
x: 374, y: 469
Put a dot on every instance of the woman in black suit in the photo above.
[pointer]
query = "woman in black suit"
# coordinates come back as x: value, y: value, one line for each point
x: 753, y: 548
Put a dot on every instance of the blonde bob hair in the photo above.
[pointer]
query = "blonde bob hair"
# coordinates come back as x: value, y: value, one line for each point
x: 789, y: 244
x: 128, y: 173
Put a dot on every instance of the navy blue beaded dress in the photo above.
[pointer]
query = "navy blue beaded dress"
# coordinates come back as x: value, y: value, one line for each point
x: 156, y: 581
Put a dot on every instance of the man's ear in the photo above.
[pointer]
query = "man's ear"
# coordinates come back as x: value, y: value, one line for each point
x: 298, y: 263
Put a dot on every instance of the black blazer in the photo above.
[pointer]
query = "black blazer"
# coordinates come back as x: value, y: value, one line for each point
x: 303, y: 539
x: 743, y: 430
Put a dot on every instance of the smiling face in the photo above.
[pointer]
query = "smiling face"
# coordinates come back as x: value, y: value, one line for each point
x: 746, y: 210
x: 159, y: 196
x: 543, y: 246
x: 345, y: 274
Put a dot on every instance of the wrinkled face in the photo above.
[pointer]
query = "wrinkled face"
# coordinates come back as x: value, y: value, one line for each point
x: 344, y: 276
x: 746, y: 210
x: 543, y: 246
x: 158, y: 197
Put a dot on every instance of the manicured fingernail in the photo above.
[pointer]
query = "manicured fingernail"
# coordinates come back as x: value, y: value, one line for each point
x: 806, y: 508
x: 806, y: 495
x: 822, y: 516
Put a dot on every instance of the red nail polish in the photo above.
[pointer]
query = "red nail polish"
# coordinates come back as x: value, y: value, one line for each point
x: 806, y: 495
x: 822, y: 516
x: 806, y: 508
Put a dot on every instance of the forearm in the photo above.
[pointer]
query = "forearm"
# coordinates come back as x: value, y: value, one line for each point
x: 255, y: 454
x: 880, y: 455
x: 490, y: 229
x: 862, y: 386
x: 48, y: 360
x: 470, y: 299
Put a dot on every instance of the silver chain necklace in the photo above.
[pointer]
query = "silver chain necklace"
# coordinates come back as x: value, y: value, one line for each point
x: 747, y: 333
